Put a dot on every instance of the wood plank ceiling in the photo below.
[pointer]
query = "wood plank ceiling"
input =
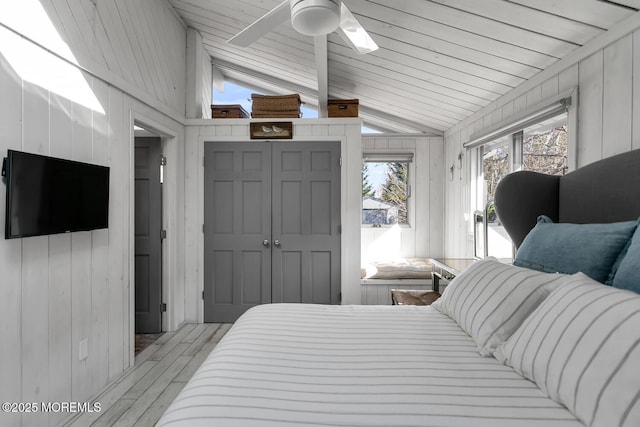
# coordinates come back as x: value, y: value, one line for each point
x: 439, y: 60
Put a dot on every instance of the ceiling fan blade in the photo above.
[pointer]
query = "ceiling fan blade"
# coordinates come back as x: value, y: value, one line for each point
x: 263, y: 25
x: 353, y: 33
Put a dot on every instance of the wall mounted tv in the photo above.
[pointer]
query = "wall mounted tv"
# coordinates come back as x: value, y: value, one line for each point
x: 46, y: 195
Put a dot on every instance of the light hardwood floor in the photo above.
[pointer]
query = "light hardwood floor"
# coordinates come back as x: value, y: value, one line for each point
x: 160, y: 372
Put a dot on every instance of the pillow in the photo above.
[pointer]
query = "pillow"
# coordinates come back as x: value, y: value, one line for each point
x: 581, y: 346
x: 410, y: 268
x: 489, y: 300
x: 569, y: 248
x: 627, y: 275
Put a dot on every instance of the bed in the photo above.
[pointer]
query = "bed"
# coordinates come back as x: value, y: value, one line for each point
x: 529, y: 344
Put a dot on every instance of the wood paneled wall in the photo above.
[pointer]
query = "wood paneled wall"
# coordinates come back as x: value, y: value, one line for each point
x: 425, y: 235
x: 139, y: 45
x: 199, y: 78
x: 56, y: 291
x: 206, y: 94
x: 605, y: 121
x: 59, y: 290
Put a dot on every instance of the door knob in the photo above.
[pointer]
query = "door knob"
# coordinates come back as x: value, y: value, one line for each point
x: 276, y: 243
x: 265, y: 243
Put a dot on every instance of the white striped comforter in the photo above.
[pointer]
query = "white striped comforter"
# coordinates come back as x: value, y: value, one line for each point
x: 294, y: 364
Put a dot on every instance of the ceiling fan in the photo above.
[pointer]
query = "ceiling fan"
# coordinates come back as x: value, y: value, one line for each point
x: 312, y: 18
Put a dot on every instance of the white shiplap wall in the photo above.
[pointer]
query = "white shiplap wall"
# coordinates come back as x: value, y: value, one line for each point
x: 59, y: 290
x: 138, y: 46
x: 606, y: 120
x: 148, y: 41
x: 56, y: 291
x: 347, y: 131
x: 206, y: 94
x: 424, y: 237
x: 199, y: 78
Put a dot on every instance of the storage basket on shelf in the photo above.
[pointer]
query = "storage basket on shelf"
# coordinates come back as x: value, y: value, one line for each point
x: 231, y: 111
x: 343, y: 107
x: 275, y: 106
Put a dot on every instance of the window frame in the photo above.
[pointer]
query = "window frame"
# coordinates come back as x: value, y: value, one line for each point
x: 513, y: 128
x: 393, y: 157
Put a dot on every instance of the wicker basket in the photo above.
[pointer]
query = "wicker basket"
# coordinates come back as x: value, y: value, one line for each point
x: 279, y: 106
x: 231, y: 111
x: 343, y: 107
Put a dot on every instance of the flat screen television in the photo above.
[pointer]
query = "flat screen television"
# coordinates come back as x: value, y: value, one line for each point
x: 47, y: 195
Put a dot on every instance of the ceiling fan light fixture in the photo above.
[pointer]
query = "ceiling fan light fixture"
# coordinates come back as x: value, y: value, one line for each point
x: 315, y: 17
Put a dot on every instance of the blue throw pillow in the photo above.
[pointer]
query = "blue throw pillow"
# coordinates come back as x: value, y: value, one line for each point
x: 627, y: 276
x: 569, y: 248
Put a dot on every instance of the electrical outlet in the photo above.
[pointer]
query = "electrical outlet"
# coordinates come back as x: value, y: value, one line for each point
x: 83, y: 349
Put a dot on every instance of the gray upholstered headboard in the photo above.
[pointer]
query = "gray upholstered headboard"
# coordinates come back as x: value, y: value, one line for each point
x: 601, y: 192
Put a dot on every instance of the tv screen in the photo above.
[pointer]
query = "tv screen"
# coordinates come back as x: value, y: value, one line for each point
x: 46, y: 195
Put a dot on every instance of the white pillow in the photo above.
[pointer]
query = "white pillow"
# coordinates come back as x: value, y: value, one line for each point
x: 490, y: 300
x: 411, y: 268
x: 581, y: 346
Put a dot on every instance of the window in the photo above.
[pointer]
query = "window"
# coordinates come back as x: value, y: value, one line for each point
x: 238, y: 94
x: 385, y: 189
x: 541, y: 147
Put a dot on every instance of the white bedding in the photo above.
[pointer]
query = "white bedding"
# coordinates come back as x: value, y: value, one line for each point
x: 294, y: 364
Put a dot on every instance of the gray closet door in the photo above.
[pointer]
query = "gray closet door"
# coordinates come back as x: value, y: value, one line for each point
x: 306, y: 222
x: 237, y: 223
x: 148, y: 242
x: 272, y: 225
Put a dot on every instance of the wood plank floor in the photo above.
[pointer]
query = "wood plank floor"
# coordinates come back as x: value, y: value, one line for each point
x: 160, y: 372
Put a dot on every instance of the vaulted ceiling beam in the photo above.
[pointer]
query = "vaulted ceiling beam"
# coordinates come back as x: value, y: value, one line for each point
x: 322, y: 67
x: 386, y: 122
x: 218, y: 78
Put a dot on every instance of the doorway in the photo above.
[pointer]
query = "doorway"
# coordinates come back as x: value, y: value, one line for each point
x: 272, y: 225
x: 148, y: 235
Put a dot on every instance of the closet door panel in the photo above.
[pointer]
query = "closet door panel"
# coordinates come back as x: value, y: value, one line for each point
x: 306, y: 222
x: 237, y: 223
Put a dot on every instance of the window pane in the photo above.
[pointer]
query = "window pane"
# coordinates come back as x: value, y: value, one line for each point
x: 385, y: 192
x: 544, y: 147
x: 496, y: 164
